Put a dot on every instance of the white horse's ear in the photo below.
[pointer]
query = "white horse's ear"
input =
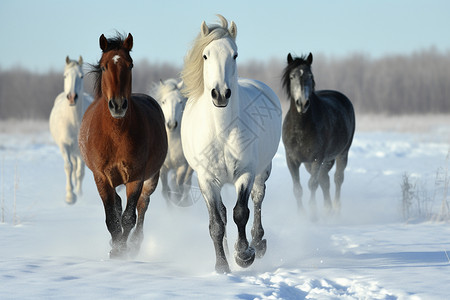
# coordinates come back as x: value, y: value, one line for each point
x: 80, y: 61
x: 67, y: 60
x: 233, y: 30
x: 205, y: 29
x: 161, y: 82
x: 180, y: 85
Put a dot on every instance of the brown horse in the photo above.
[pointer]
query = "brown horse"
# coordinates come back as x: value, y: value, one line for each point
x: 123, y: 141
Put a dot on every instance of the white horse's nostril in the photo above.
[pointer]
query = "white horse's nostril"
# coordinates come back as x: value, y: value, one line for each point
x: 214, y: 94
x: 228, y: 94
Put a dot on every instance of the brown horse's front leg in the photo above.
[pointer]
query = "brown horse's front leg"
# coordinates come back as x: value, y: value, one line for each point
x: 142, y: 205
x: 113, y: 214
x: 134, y: 190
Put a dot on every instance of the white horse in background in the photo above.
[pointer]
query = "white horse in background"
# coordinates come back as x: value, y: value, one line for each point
x: 176, y: 173
x: 65, y: 120
x: 230, y: 132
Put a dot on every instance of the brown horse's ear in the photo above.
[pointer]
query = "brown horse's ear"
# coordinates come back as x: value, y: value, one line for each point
x: 289, y: 58
x: 205, y: 29
x: 103, y: 42
x: 309, y: 60
x: 67, y: 60
x: 128, y: 43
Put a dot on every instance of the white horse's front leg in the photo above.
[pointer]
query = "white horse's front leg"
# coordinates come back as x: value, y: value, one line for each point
x: 164, y: 181
x: 184, y: 176
x: 71, y: 198
x: 258, y: 193
x: 244, y: 254
x: 79, y: 176
x: 217, y: 221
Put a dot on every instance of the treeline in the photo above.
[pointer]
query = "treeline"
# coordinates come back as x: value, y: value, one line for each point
x: 401, y: 84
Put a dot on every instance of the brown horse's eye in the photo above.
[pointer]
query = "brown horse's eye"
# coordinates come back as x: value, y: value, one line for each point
x: 131, y: 66
x: 103, y: 68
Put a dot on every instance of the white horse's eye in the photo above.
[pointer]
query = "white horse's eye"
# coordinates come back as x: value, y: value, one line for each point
x: 235, y: 56
x: 205, y: 57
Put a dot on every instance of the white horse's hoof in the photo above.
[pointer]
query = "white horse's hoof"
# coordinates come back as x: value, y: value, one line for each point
x: 71, y: 199
x: 246, y: 258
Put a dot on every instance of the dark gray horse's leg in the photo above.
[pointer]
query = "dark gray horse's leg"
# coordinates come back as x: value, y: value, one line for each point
x: 324, y: 181
x: 341, y: 164
x: 217, y: 221
x: 313, y: 183
x: 244, y: 254
x: 295, y: 175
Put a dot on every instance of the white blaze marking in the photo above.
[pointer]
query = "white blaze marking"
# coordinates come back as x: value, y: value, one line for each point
x: 116, y: 58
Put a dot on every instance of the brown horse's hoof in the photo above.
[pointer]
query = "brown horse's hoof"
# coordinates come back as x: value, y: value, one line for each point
x: 246, y: 258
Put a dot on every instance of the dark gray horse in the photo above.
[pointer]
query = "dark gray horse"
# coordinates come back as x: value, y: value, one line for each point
x: 317, y: 131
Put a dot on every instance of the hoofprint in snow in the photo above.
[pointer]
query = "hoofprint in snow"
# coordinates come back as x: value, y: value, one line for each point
x: 51, y: 250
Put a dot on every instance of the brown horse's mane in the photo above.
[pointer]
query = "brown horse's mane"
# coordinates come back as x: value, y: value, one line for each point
x: 114, y: 43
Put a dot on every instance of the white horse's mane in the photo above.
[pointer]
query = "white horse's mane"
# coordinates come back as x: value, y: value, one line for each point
x: 192, y: 73
x: 158, y: 90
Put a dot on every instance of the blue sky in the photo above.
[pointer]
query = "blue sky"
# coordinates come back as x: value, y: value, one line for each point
x: 38, y: 35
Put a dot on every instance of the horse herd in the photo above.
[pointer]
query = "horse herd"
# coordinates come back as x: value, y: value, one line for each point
x: 225, y: 128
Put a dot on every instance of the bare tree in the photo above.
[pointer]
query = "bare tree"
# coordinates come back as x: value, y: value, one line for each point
x: 394, y: 84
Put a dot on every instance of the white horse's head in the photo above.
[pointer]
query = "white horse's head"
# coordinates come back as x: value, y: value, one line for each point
x: 73, y: 79
x: 219, y: 66
x: 210, y: 66
x: 172, y: 102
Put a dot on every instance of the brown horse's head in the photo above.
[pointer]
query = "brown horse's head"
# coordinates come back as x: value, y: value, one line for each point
x: 114, y: 74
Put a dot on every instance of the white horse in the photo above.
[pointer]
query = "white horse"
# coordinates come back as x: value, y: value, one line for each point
x: 65, y: 120
x: 230, y: 132
x: 176, y: 173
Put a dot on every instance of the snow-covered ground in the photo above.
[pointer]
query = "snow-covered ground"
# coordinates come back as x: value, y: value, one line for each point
x: 49, y: 250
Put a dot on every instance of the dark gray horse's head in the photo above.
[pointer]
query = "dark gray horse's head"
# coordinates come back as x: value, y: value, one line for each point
x: 298, y: 81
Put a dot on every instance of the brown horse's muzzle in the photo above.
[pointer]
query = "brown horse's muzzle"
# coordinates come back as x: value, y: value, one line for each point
x: 118, y: 107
